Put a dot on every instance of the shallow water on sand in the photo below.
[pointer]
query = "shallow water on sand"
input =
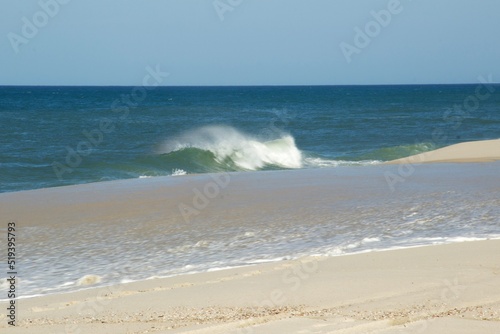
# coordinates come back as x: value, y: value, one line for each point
x: 136, y: 229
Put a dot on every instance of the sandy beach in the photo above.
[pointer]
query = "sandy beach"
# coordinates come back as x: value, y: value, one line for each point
x: 250, y: 167
x: 477, y: 151
x: 450, y: 288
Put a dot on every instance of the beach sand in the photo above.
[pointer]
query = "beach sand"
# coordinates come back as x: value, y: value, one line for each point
x: 476, y: 151
x: 453, y: 288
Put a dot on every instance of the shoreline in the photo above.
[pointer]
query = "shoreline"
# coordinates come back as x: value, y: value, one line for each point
x: 466, y: 152
x: 408, y: 289
x: 442, y: 288
x: 481, y: 151
x: 255, y: 263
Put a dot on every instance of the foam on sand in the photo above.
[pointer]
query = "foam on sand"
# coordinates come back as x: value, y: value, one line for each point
x: 88, y: 280
x: 427, y: 289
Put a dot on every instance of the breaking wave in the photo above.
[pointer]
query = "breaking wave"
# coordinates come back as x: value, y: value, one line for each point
x: 216, y: 148
x: 221, y: 148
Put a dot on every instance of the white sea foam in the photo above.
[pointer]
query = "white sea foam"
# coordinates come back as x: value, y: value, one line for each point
x: 178, y: 172
x: 247, y: 152
x: 202, y: 244
x: 127, y: 280
x: 357, y: 217
x: 89, y: 280
x: 369, y: 240
x: 322, y: 162
x: 4, y: 284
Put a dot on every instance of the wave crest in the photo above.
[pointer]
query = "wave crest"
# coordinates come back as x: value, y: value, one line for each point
x: 239, y: 151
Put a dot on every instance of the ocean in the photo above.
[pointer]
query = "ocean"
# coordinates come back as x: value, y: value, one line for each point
x: 207, y: 178
x: 55, y: 136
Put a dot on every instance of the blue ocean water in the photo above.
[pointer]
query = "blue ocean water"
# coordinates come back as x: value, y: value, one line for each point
x: 54, y: 136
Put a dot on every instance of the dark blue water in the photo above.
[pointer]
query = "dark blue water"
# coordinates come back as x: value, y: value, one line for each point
x: 53, y: 136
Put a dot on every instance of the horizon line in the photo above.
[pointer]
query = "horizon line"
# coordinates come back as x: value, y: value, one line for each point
x: 263, y: 85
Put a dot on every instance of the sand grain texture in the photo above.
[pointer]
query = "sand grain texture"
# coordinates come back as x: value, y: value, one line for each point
x: 452, y: 288
x: 418, y: 290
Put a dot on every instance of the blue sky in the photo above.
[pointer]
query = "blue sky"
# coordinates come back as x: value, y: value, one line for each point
x: 258, y: 42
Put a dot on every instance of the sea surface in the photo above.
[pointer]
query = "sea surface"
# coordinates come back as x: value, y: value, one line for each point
x: 305, y: 176
x: 54, y: 136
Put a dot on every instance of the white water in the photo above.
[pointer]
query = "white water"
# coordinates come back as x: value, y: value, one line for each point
x: 246, y: 151
x: 258, y: 217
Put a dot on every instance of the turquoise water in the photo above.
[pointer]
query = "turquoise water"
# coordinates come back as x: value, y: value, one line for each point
x: 53, y: 136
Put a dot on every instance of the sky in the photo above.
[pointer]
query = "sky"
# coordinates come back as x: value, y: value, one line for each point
x: 249, y: 42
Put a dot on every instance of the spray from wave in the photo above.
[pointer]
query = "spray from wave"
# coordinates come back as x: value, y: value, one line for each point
x: 220, y: 147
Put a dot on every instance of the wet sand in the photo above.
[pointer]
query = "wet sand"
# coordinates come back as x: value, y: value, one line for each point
x: 451, y: 288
